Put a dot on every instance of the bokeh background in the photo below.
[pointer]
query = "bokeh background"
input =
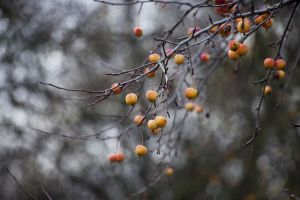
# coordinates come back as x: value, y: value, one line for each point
x: 72, y: 43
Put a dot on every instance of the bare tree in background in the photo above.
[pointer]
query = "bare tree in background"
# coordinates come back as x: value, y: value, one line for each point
x: 201, y: 103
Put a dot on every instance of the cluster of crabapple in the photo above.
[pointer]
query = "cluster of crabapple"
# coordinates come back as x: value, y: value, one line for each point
x: 192, y: 93
x: 116, y: 157
x: 278, y: 65
x: 243, y: 25
x: 156, y: 124
x: 191, y: 106
x: 236, y: 49
x: 265, y: 19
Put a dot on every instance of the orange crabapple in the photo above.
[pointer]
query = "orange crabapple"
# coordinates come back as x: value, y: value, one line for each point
x: 268, y: 24
x: 119, y: 157
x: 191, y: 93
x: 116, y: 88
x: 259, y: 19
x: 266, y: 15
x: 131, y: 99
x: 204, y: 57
x: 280, y: 63
x: 189, y: 106
x: 179, y: 59
x: 233, y: 45
x: 152, y: 124
x: 242, y: 49
x: 279, y: 74
x: 154, y: 58
x: 116, y: 157
x: 138, y: 119
x: 267, y: 90
x: 151, y: 95
x: 198, y: 109
x: 243, y: 26
x: 138, y: 31
x: 155, y: 131
x: 149, y: 74
x: 112, y: 158
x: 160, y: 121
x: 169, y: 171
x: 269, y: 63
x: 237, y: 20
x: 233, y: 55
x: 214, y: 29
x: 225, y: 30
x: 141, y: 150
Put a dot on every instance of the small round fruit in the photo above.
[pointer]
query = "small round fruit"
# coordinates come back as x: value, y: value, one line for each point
x: 192, y: 30
x: 198, y: 109
x: 265, y: 15
x: 154, y: 58
x: 242, y: 49
x: 191, y: 93
x: 279, y: 74
x: 280, y: 63
x: 112, y: 158
x: 119, y: 157
x: 149, y: 74
x: 269, y: 63
x: 152, y: 124
x: 138, y: 120
x: 179, y: 59
x: 116, y: 88
x: 160, y: 121
x: 243, y: 26
x: 189, y: 106
x: 268, y: 24
x: 237, y: 20
x: 233, y: 55
x: 214, y: 29
x: 204, y: 57
x: 151, y: 95
x: 169, y: 171
x: 233, y: 45
x: 155, y: 131
x: 138, y: 31
x: 131, y: 99
x: 141, y: 150
x: 267, y: 90
x: 259, y: 19
x: 225, y: 30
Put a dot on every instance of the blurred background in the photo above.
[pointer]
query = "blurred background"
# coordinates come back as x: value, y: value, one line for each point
x: 72, y: 43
